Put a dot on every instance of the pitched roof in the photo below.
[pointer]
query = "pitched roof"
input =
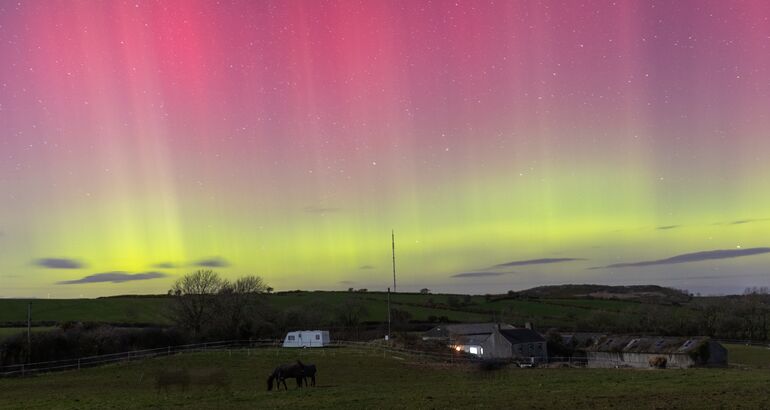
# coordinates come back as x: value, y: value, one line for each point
x: 445, y: 331
x: 641, y: 344
x: 516, y: 336
x: 476, y: 339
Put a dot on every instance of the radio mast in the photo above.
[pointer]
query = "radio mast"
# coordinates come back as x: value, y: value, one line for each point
x: 393, y: 241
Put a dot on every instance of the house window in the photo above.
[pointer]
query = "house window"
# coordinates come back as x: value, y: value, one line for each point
x: 531, y: 346
x: 291, y: 337
x: 474, y: 350
x: 317, y: 337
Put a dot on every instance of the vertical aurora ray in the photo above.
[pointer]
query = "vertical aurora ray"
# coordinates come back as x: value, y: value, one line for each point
x: 288, y: 138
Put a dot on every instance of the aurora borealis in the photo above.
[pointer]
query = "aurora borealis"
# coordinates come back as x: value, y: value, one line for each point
x: 509, y: 144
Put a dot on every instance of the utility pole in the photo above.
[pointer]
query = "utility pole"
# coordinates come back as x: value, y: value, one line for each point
x: 393, y: 239
x: 29, y: 332
x: 388, y: 336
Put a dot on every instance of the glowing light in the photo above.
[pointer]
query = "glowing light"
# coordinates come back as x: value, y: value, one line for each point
x: 288, y: 139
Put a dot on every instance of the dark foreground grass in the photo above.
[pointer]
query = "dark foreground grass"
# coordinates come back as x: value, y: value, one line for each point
x: 354, y: 379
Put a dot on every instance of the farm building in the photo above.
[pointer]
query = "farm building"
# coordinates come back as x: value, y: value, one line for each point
x: 637, y: 351
x: 445, y: 332
x: 307, y: 338
x: 492, y: 340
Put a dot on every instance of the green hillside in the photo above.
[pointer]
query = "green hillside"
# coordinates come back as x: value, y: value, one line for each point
x: 128, y: 309
x: 558, y: 312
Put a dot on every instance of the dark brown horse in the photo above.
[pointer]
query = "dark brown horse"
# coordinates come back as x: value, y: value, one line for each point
x: 308, y: 372
x: 286, y: 371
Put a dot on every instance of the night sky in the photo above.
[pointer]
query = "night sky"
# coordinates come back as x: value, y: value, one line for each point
x: 509, y: 144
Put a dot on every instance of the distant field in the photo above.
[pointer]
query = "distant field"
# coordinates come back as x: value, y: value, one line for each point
x: 10, y: 331
x: 154, y: 310
x: 115, y: 310
x: 349, y: 379
x: 752, y: 356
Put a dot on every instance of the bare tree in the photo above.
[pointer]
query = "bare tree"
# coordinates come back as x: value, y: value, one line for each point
x: 194, y: 299
x: 350, y: 314
x: 239, y: 305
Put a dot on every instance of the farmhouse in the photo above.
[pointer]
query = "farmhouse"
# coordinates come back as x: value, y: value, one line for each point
x: 492, y: 340
x: 637, y: 351
x: 307, y: 338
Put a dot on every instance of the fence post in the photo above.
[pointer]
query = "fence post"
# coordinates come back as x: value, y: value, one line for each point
x: 22, y: 370
x: 169, y: 351
x: 78, y: 363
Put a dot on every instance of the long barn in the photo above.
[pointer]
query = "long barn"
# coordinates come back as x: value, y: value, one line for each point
x: 639, y: 351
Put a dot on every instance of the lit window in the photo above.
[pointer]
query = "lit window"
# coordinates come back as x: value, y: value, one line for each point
x: 474, y: 350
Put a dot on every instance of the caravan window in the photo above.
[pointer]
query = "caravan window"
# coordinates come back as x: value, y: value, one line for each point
x: 317, y: 337
x: 291, y: 337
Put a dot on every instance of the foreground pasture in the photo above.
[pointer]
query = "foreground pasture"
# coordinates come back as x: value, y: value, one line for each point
x: 355, y: 379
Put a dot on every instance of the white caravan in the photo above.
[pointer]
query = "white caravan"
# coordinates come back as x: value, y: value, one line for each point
x: 307, y: 338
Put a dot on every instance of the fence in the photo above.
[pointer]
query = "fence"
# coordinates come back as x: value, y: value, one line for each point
x: 350, y: 346
x: 92, y: 361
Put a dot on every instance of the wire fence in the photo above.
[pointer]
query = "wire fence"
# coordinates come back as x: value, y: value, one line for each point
x: 351, y: 347
x: 92, y: 361
x: 27, y: 369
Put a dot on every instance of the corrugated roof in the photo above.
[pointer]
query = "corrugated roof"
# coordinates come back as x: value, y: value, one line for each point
x: 646, y: 344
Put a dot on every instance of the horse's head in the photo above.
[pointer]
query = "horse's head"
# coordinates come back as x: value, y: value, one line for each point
x: 300, y: 363
x: 270, y: 382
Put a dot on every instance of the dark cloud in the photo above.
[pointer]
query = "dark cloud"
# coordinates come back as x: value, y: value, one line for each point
x: 364, y: 267
x: 747, y: 221
x: 165, y: 265
x: 476, y: 274
x: 213, y: 263
x: 59, y: 263
x: 537, y: 262
x: 693, y: 257
x: 114, y: 277
x: 321, y: 209
x: 667, y: 227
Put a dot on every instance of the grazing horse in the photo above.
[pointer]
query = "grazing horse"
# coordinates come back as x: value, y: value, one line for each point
x: 165, y: 378
x: 309, y: 372
x: 286, y: 371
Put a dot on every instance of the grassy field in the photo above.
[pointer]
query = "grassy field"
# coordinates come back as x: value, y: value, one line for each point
x: 10, y: 331
x: 114, y: 310
x: 154, y: 310
x: 354, y: 379
x: 751, y: 356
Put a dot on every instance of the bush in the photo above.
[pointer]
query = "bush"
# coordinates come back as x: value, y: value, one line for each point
x: 81, y: 340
